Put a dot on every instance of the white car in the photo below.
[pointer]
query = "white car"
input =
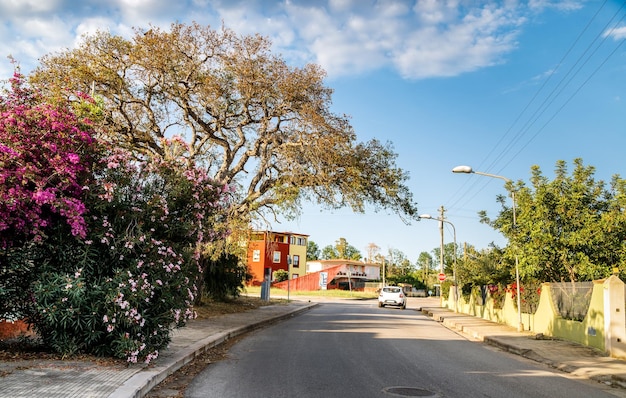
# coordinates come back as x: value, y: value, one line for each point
x: 392, y: 295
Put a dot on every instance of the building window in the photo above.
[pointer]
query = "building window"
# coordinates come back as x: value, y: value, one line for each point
x: 276, y: 257
x: 302, y: 241
x: 296, y: 261
x: 292, y: 240
x: 294, y: 276
x: 256, y: 256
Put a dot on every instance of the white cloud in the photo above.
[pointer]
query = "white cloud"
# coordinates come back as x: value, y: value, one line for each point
x: 562, y: 5
x: 617, y: 33
x: 434, y: 11
x: 27, y: 7
x: 434, y: 38
x: 420, y: 39
x: 29, y: 38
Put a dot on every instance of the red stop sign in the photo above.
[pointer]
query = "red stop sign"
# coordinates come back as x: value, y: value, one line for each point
x: 442, y: 277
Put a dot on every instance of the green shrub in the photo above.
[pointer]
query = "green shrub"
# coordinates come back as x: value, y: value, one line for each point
x: 120, y: 291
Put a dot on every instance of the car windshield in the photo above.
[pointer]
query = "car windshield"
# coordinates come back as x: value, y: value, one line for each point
x: 391, y: 290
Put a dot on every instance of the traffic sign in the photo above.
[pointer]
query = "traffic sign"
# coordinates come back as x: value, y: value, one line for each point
x: 442, y: 277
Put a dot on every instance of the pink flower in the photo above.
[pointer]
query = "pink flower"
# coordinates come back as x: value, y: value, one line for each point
x: 73, y: 158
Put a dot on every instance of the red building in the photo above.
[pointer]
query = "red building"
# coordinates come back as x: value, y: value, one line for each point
x: 269, y: 251
x: 335, y: 274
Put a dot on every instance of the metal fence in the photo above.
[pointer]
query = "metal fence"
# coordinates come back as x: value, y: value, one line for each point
x: 572, y: 299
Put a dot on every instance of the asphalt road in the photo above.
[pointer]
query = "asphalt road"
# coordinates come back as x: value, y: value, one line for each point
x: 355, y: 349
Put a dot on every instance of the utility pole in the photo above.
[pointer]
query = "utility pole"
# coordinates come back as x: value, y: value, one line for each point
x: 441, y: 218
x: 383, y: 271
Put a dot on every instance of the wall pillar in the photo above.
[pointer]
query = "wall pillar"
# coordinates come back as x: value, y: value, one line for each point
x: 614, y: 317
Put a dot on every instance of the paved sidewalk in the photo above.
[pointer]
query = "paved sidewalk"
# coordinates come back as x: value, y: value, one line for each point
x: 68, y: 379
x: 573, y: 358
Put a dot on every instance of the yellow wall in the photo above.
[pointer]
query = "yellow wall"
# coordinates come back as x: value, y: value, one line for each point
x: 546, y: 320
x: 298, y: 250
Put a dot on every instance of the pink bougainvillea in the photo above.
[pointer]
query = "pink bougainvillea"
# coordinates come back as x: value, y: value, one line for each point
x: 45, y: 156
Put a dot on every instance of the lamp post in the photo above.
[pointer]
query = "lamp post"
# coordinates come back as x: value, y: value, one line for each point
x: 469, y: 170
x: 456, y: 287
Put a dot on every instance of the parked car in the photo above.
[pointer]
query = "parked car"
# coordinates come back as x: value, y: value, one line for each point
x: 392, y: 295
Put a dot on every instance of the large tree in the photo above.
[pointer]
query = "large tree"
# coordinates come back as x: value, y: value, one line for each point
x: 342, y: 250
x: 570, y: 228
x: 249, y: 118
x: 450, y: 252
x: 312, y: 251
x: 425, y: 264
x: 484, y: 267
x: 398, y: 264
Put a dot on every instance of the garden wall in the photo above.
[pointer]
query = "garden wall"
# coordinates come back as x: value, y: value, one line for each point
x: 602, y: 327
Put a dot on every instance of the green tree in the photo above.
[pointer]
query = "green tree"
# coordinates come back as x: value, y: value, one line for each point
x: 485, y: 267
x: 329, y: 253
x: 568, y: 228
x: 398, y: 265
x: 312, y: 251
x: 372, y: 251
x: 425, y: 264
x: 251, y: 120
x: 449, y: 253
x: 341, y: 250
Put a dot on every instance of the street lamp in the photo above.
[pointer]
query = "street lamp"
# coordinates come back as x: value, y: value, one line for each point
x: 456, y: 287
x: 468, y: 170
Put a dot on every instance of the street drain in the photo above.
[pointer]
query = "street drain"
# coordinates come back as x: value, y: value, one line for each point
x: 409, y: 392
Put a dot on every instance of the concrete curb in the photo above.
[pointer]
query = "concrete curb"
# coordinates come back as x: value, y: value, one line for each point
x: 140, y: 384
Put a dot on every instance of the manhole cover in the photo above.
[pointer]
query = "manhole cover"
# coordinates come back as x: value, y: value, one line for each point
x: 409, y: 392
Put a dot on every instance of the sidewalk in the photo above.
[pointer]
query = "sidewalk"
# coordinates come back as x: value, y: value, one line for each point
x: 576, y: 359
x: 67, y: 379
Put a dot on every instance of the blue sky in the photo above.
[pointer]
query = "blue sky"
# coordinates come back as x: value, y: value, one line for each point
x: 497, y: 85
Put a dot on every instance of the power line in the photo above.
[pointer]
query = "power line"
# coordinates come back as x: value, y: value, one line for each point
x: 547, y: 102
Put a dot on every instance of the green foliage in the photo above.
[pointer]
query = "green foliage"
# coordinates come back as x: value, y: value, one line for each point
x: 342, y: 250
x: 312, y: 251
x: 397, y: 266
x: 119, y: 292
x: 485, y: 267
x: 498, y: 295
x: 530, y: 292
x: 281, y: 275
x: 413, y: 279
x: 445, y: 288
x: 224, y: 277
x: 450, y: 252
x: 17, y: 274
x: 425, y: 267
x: 569, y: 228
x: 252, y: 120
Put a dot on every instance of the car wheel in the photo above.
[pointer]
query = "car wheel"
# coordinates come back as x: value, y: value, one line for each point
x: 404, y: 306
x: 381, y: 305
